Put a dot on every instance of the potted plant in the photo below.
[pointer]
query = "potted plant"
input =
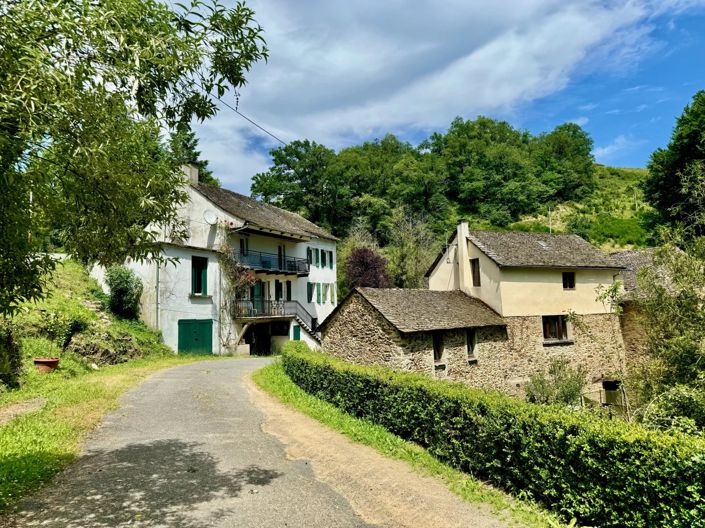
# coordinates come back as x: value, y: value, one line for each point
x: 46, y: 364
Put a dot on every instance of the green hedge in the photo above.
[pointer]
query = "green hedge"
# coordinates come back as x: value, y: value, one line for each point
x: 600, y: 472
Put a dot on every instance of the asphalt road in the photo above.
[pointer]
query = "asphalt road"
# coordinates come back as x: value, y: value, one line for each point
x: 186, y: 449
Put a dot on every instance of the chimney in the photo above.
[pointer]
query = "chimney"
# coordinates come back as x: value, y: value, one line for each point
x: 191, y: 172
x: 463, y: 231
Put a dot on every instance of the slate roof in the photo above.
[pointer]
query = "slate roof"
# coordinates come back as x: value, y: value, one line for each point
x: 260, y: 214
x: 416, y: 310
x: 633, y: 260
x: 540, y: 250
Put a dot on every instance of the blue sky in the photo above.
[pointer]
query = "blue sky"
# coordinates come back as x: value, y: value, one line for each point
x: 341, y: 73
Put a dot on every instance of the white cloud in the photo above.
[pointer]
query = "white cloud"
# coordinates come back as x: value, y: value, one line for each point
x: 341, y: 72
x: 587, y: 107
x: 621, y: 143
x: 580, y: 121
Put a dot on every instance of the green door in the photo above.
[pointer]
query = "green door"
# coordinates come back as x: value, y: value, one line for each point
x: 258, y: 297
x: 195, y: 336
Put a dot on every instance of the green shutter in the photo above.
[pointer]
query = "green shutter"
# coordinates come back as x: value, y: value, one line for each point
x: 318, y: 292
x: 317, y: 254
x: 309, y: 291
x: 309, y: 256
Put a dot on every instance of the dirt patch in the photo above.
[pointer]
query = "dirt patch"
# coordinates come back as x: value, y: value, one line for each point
x: 382, y: 491
x: 11, y: 412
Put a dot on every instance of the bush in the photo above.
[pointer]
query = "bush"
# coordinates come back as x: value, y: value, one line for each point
x: 125, y: 291
x: 561, y: 384
x: 10, y: 357
x: 600, y: 472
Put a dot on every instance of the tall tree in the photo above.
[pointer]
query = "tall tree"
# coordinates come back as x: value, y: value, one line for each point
x: 671, y: 170
x: 85, y: 88
x: 184, y: 146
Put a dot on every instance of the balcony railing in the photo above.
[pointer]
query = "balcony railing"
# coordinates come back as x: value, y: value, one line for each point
x: 272, y: 262
x: 253, y: 308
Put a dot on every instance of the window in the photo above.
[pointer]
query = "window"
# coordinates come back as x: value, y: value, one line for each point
x: 309, y: 291
x: 437, y: 347
x: 317, y: 256
x: 568, y: 280
x: 278, y: 290
x: 199, y: 275
x: 288, y: 290
x: 555, y: 328
x: 324, y: 258
x: 244, y: 246
x: 471, y: 341
x: 330, y: 259
x: 318, y: 292
x: 475, y: 269
x: 309, y: 255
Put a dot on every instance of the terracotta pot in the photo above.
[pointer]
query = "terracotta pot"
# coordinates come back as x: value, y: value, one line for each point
x: 46, y: 364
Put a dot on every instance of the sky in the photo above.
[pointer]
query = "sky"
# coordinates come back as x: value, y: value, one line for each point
x: 341, y: 73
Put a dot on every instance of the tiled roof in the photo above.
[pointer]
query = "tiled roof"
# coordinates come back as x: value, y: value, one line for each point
x: 261, y: 214
x: 633, y: 260
x: 411, y: 310
x: 540, y: 250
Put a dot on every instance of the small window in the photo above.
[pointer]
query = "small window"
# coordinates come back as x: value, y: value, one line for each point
x: 278, y: 291
x: 475, y: 268
x: 438, y: 347
x: 555, y: 328
x: 568, y: 280
x: 324, y: 259
x: 244, y: 246
x: 330, y: 259
x: 199, y: 275
x: 309, y: 255
x: 288, y: 290
x: 470, y: 341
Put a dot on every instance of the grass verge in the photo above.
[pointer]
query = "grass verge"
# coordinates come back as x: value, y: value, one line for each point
x: 36, y: 446
x: 274, y: 380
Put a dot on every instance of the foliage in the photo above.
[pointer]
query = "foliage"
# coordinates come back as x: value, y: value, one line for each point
x: 366, y: 268
x: 681, y: 408
x: 10, y: 358
x: 602, y: 472
x: 238, y: 279
x: 125, y: 291
x: 671, y: 168
x: 358, y: 237
x: 85, y: 90
x: 410, y: 251
x: 561, y: 384
x: 184, y: 145
x: 274, y: 380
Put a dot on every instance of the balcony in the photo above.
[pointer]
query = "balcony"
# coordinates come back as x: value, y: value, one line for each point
x: 259, y: 309
x: 272, y: 263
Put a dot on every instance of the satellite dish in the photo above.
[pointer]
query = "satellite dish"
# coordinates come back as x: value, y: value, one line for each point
x: 210, y: 217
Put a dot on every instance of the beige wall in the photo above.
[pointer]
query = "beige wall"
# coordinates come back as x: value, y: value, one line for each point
x: 540, y: 292
x: 491, y: 277
x: 444, y: 276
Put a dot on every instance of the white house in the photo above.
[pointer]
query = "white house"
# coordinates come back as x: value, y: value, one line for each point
x: 189, y: 300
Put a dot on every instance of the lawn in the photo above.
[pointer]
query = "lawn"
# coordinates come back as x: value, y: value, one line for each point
x: 37, y: 445
x: 274, y: 380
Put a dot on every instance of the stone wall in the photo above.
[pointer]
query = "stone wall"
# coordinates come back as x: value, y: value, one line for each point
x: 634, y: 333
x: 504, y: 358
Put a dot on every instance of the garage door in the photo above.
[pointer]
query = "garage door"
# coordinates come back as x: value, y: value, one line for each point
x: 195, y: 336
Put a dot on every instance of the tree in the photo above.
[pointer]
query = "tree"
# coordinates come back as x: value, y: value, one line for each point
x: 671, y: 168
x: 366, y: 268
x: 85, y: 88
x: 184, y: 146
x: 411, y: 250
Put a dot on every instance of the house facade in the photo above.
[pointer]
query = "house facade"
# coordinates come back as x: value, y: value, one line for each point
x: 544, y: 290
x: 290, y: 264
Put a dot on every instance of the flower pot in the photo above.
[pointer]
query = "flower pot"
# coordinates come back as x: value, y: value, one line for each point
x: 46, y: 364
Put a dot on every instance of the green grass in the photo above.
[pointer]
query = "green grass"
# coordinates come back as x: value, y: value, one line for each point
x: 274, y: 380
x: 36, y: 446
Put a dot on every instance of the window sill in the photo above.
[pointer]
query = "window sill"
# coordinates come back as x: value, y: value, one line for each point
x: 199, y: 296
x: 568, y: 289
x: 558, y: 342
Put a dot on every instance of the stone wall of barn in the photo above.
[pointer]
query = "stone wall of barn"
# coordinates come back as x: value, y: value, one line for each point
x: 503, y: 359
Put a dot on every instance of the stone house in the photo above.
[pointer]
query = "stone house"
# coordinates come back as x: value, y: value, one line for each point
x: 540, y: 288
x: 186, y: 296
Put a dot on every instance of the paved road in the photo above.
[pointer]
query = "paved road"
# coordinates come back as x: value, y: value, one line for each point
x: 186, y: 449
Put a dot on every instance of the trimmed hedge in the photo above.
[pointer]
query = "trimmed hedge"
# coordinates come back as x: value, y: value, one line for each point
x: 600, y: 472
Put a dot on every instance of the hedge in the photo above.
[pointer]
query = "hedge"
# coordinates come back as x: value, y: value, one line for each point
x: 599, y: 472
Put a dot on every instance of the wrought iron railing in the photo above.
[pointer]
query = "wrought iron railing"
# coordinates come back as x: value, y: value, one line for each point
x: 272, y: 262
x: 247, y: 308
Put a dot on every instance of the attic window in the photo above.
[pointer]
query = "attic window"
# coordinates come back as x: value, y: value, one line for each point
x: 568, y: 280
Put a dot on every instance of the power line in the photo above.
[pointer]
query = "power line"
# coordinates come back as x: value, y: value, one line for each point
x: 248, y: 119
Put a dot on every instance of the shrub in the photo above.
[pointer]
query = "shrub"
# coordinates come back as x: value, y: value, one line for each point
x: 366, y: 268
x: 125, y: 291
x: 10, y: 357
x: 561, y: 384
x: 600, y: 472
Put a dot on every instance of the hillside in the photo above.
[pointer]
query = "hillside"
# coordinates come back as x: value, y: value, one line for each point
x: 612, y: 216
